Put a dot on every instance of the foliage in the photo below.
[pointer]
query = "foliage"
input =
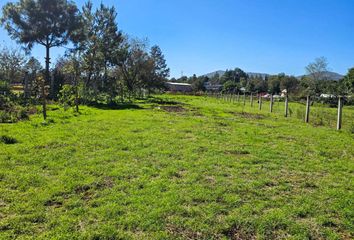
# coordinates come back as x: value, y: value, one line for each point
x: 11, y: 65
x: 45, y: 22
x: 67, y: 96
x: 235, y: 76
x: 348, y: 82
x: 230, y: 87
x: 103, y: 61
x: 198, y: 84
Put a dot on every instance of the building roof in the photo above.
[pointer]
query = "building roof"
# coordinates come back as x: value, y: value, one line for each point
x: 179, y: 84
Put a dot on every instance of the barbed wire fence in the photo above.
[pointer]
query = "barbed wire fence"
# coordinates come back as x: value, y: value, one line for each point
x: 312, y: 110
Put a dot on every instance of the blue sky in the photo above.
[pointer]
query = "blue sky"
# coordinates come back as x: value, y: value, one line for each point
x: 272, y: 36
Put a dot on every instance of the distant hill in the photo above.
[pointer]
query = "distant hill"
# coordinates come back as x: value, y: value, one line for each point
x: 331, y: 75
x: 212, y: 74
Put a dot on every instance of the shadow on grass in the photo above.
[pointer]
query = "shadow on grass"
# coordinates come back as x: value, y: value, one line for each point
x: 133, y: 105
x: 116, y: 106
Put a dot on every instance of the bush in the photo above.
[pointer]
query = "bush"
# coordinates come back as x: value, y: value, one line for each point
x: 67, y: 96
x: 14, y: 114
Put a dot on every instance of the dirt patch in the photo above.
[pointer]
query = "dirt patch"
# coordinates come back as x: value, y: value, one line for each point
x: 288, y: 138
x: 238, y: 233
x: 183, y: 232
x: 53, y: 203
x: 222, y: 124
x: 107, y: 182
x: 173, y: 108
x: 237, y: 152
x: 82, y: 189
x: 249, y: 115
x: 52, y: 145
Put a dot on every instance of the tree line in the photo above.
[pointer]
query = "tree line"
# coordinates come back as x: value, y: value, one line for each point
x: 101, y: 64
x: 317, y: 81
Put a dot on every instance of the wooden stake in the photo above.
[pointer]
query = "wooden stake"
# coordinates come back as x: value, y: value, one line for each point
x: 307, y: 116
x: 340, y: 108
x: 260, y: 102
x: 251, y: 99
x: 271, y: 103
x: 244, y: 98
x: 286, y: 105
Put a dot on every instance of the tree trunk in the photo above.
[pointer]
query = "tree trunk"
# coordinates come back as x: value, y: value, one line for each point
x: 47, y: 79
x: 44, y: 104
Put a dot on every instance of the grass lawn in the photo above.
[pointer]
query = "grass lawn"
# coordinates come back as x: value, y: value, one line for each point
x: 176, y: 167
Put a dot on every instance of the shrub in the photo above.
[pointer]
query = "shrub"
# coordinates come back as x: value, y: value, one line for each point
x: 67, y: 96
x: 14, y: 114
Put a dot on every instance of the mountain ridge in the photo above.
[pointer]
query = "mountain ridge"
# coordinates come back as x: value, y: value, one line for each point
x: 331, y: 75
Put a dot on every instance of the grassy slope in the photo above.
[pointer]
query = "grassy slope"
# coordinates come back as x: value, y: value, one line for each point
x: 205, y: 173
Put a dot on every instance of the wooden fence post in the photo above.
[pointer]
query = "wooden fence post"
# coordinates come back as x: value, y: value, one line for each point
x: 340, y: 108
x: 260, y: 102
x: 307, y: 116
x: 251, y: 99
x: 244, y: 98
x: 286, y: 105
x: 238, y: 96
x: 271, y: 103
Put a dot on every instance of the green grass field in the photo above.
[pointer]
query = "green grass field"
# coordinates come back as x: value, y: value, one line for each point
x: 177, y: 167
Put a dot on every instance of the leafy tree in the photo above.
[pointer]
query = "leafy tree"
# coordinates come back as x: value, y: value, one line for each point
x: 11, y: 65
x: 109, y: 39
x: 50, y: 23
x: 134, y: 59
x: 290, y: 83
x: 347, y: 84
x: 91, y: 49
x: 72, y: 68
x: 274, y: 84
x: 256, y: 83
x: 102, y: 50
x: 230, y: 87
x: 250, y: 86
x: 32, y: 69
x: 215, y: 79
x: 160, y: 66
x: 235, y: 75
x: 198, y: 83
x: 155, y: 70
